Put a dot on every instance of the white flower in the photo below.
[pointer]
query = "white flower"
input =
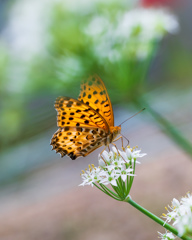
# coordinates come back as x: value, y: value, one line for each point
x: 166, y: 236
x: 181, y: 215
x: 187, y: 200
x: 110, y: 178
x: 126, y: 172
x: 91, y: 176
x: 101, y: 162
x: 175, y: 203
x: 132, y: 154
x: 106, y: 156
x: 112, y: 165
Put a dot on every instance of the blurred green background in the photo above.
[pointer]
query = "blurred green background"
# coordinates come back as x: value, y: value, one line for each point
x: 143, y: 54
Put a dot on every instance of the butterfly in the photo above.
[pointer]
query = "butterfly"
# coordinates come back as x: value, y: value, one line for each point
x: 84, y: 124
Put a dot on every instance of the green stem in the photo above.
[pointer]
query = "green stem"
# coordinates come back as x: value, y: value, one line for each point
x: 116, y: 189
x: 120, y: 187
x: 169, y: 128
x: 99, y: 188
x: 127, y: 186
x: 130, y: 184
x: 109, y: 192
x: 155, y: 218
x: 123, y: 186
x: 132, y: 177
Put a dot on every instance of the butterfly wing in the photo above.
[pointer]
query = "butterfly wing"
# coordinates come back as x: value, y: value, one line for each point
x: 77, y: 141
x: 71, y: 112
x: 94, y: 93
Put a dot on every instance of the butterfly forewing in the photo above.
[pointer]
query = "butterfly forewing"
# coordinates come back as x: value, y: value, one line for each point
x: 93, y: 93
x: 77, y: 141
x: 71, y: 112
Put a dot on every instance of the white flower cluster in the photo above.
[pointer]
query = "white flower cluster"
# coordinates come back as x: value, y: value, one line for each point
x: 112, y: 165
x: 153, y: 23
x: 181, y: 213
x: 131, y: 33
x: 166, y: 236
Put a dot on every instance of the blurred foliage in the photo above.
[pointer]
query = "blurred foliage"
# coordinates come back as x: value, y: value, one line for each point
x: 77, y: 53
x: 4, y: 60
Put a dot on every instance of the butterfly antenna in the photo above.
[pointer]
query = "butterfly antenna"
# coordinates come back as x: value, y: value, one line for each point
x: 132, y: 116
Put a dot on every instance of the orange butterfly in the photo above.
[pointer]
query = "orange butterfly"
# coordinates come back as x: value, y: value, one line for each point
x: 84, y: 124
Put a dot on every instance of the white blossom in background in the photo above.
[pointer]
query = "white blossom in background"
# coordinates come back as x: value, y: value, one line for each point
x: 180, y: 213
x: 152, y: 23
x: 132, y: 32
x: 112, y: 165
x: 125, y: 35
x: 166, y: 236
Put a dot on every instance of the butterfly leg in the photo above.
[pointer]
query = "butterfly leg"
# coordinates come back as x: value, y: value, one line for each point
x: 102, y: 156
x: 121, y: 141
x: 126, y: 139
x: 117, y: 149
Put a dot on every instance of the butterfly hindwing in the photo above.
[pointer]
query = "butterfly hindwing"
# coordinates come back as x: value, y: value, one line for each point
x: 94, y: 93
x: 71, y: 112
x: 77, y: 141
